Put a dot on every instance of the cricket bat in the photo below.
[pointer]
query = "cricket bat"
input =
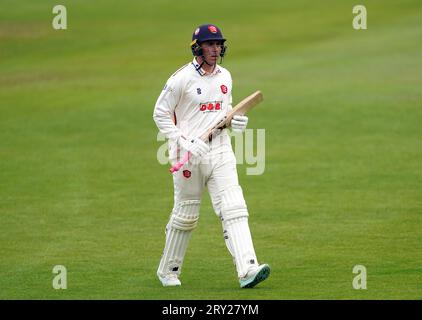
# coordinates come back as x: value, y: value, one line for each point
x: 240, y: 109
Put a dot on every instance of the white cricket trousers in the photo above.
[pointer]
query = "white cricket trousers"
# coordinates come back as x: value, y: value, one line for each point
x: 218, y: 174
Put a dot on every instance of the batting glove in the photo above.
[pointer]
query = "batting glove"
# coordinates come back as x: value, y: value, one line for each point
x: 239, y: 123
x: 195, y: 146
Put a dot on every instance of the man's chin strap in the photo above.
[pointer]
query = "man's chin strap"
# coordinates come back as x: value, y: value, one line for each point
x: 203, y: 58
x: 205, y: 61
x: 200, y: 66
x: 202, y: 63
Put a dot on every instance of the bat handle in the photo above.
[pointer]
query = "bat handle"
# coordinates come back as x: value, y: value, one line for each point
x: 180, y: 164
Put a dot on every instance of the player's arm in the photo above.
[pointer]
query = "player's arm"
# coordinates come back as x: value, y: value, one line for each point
x: 164, y: 109
x: 163, y: 117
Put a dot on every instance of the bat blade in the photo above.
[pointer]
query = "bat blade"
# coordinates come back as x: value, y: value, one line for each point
x: 246, y: 104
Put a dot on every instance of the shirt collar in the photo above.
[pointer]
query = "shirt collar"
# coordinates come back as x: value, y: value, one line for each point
x: 201, y: 71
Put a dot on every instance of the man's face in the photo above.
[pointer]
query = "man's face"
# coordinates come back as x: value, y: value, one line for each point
x: 212, y: 50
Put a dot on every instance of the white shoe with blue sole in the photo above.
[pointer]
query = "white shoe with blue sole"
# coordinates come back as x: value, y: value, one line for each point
x: 257, y: 276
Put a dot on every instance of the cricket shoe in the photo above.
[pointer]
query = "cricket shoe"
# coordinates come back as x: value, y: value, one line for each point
x: 169, y: 280
x: 255, y: 276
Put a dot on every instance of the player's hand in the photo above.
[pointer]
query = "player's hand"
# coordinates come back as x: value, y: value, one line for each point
x: 239, y: 123
x: 195, y: 146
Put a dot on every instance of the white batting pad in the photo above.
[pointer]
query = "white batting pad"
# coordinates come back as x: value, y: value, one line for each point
x: 183, y: 220
x: 234, y: 215
x: 233, y: 203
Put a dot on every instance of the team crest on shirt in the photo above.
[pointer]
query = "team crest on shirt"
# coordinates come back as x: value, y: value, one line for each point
x: 223, y: 89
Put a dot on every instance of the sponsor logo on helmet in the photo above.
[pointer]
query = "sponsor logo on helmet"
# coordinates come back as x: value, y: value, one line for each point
x: 213, y: 29
x: 223, y: 89
x: 197, y: 31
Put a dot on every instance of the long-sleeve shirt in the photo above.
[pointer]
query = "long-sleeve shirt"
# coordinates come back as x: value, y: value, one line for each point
x: 191, y: 102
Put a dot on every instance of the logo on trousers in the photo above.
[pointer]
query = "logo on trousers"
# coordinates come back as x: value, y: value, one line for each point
x: 187, y: 174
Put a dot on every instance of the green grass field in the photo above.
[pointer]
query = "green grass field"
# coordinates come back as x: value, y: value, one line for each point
x: 80, y: 184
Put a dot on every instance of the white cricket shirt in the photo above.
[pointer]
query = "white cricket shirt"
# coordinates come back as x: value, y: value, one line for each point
x: 192, y: 101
